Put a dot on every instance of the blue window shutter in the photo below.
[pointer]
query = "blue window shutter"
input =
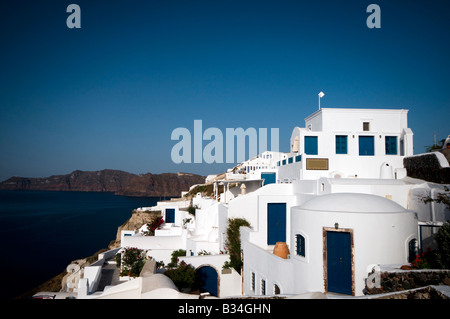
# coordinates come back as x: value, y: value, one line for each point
x: 366, y: 146
x: 311, y: 146
x: 391, y: 145
x: 300, y: 245
x: 341, y: 144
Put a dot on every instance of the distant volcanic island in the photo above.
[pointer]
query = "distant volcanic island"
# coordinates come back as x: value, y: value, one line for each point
x: 108, y: 180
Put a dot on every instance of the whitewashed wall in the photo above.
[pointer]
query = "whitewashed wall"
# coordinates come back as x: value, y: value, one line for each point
x: 379, y: 238
x: 230, y: 282
x: 327, y: 123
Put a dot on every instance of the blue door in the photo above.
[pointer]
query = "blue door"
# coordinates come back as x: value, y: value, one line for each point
x: 207, y: 277
x: 366, y: 146
x: 170, y: 215
x: 276, y: 223
x: 339, y: 261
x: 269, y: 178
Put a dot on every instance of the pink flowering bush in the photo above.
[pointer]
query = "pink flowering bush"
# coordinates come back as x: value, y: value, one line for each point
x: 133, y: 259
x: 154, y: 225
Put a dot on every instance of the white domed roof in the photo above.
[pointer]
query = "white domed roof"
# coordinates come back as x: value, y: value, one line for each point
x: 352, y: 203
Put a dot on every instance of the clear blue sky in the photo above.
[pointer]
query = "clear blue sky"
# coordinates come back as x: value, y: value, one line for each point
x: 110, y: 94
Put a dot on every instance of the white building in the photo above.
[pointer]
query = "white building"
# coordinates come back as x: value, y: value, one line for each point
x: 334, y: 242
x: 340, y: 200
x: 349, y: 143
x: 340, y: 204
x: 264, y: 166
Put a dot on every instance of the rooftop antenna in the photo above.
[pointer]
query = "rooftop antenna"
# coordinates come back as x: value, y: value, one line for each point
x: 321, y: 95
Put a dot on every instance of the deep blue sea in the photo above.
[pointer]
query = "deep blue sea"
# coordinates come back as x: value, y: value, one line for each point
x: 42, y: 232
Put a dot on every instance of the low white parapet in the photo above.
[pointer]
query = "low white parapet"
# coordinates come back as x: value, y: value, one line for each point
x: 169, y: 230
x: 108, y: 254
x: 93, y: 274
x: 126, y: 233
x: 83, y: 288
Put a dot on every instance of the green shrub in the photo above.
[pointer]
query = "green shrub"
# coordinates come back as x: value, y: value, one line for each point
x: 183, y: 276
x: 443, y: 249
x: 191, y: 209
x: 174, y: 257
x: 233, y: 242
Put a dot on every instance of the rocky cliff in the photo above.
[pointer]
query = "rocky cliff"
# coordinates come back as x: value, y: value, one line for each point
x: 115, y: 181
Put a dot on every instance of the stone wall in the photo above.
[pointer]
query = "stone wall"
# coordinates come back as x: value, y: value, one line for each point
x: 427, y: 167
x: 391, y: 281
x: 428, y: 292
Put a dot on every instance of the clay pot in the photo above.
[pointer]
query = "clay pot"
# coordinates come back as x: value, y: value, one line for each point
x: 281, y: 250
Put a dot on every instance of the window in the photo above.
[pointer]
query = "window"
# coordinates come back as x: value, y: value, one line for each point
x: 366, y: 146
x: 341, y: 144
x: 276, y: 290
x: 366, y: 126
x: 295, y: 145
x: 391, y: 145
x: 290, y: 160
x: 298, y: 158
x: 263, y: 287
x: 311, y: 145
x: 253, y: 281
x: 300, y: 245
x: 412, y: 250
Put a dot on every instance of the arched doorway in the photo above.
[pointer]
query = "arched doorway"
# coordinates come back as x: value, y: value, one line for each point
x: 207, y: 280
